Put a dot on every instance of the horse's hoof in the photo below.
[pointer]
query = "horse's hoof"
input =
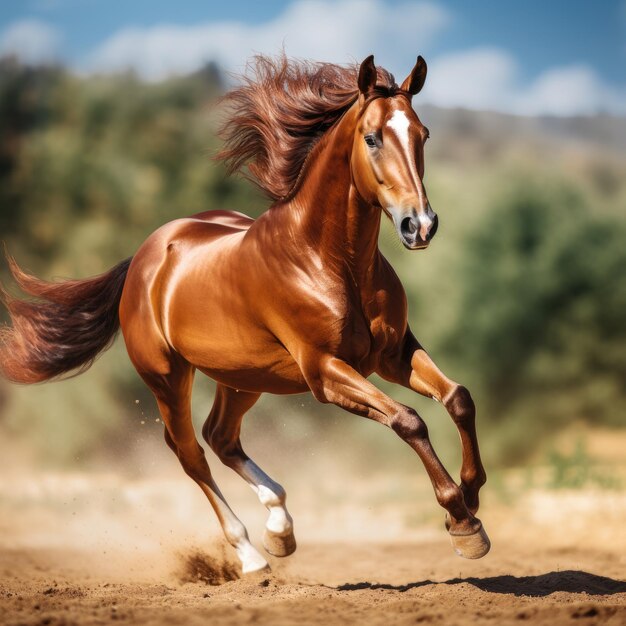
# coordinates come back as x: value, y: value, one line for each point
x: 473, y: 546
x: 277, y: 545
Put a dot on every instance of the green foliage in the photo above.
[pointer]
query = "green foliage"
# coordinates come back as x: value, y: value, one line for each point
x: 107, y: 158
x: 540, y: 326
x: 577, y: 470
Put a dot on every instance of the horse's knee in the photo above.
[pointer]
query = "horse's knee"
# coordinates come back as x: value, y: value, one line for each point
x: 450, y: 497
x: 461, y: 406
x: 474, y: 478
x: 408, y: 424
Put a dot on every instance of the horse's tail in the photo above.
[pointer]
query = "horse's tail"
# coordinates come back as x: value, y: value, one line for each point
x: 61, y: 331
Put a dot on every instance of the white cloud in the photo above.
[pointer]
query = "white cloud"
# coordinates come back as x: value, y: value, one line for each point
x: 482, y: 78
x: 572, y: 90
x: 341, y: 31
x: 31, y: 41
x: 490, y: 78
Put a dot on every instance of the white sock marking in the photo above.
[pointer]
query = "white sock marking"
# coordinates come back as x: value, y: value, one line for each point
x: 251, y: 560
x: 279, y: 522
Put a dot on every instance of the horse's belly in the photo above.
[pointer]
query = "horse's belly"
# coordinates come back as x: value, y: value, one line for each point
x: 280, y: 378
x: 259, y: 364
x: 230, y: 347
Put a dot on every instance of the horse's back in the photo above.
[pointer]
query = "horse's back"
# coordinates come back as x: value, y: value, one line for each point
x: 202, y: 228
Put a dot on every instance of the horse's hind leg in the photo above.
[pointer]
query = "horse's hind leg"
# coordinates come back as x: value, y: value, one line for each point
x: 173, y: 394
x: 221, y: 431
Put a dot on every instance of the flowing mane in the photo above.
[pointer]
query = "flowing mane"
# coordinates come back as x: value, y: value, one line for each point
x: 280, y: 111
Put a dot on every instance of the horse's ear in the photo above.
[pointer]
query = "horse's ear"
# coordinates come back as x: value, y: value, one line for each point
x: 414, y: 82
x: 367, y: 75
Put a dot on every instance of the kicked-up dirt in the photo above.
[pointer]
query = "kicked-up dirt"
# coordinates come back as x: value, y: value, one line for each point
x: 84, y: 549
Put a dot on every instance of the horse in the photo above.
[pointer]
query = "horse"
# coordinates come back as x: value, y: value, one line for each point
x: 299, y: 300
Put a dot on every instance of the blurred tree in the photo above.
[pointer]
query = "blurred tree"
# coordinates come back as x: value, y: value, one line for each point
x: 540, y: 326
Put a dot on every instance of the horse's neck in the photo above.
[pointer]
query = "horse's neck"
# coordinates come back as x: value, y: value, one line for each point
x: 327, y: 209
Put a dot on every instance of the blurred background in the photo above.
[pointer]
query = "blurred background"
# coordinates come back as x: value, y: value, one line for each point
x: 108, y: 117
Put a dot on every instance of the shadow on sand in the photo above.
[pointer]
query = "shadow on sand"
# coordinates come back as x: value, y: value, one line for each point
x: 570, y: 581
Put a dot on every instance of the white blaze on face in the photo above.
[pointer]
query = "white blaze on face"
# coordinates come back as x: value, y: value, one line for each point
x: 399, y: 123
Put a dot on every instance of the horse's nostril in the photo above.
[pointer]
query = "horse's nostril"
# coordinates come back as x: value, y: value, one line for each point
x: 433, y: 229
x: 408, y: 226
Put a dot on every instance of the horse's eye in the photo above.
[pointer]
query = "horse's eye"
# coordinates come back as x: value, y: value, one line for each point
x: 370, y: 140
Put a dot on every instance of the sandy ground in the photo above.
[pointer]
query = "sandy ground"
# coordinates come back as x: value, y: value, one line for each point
x: 331, y: 584
x: 92, y: 549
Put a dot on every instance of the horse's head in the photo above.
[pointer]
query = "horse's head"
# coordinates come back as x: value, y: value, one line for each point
x: 388, y: 155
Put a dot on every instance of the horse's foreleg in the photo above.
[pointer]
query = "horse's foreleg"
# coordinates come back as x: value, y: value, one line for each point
x: 333, y: 380
x: 413, y: 368
x: 221, y: 431
x: 173, y: 394
x: 427, y: 379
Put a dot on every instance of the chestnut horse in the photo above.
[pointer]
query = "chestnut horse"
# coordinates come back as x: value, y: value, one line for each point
x: 300, y: 299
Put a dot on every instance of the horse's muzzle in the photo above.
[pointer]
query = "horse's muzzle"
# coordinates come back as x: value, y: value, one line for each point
x: 416, y: 231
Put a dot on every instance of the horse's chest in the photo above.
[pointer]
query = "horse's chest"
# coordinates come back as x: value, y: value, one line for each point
x: 374, y: 328
x: 384, y: 334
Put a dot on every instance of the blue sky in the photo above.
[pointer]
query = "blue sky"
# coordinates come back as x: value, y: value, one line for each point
x: 529, y: 56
